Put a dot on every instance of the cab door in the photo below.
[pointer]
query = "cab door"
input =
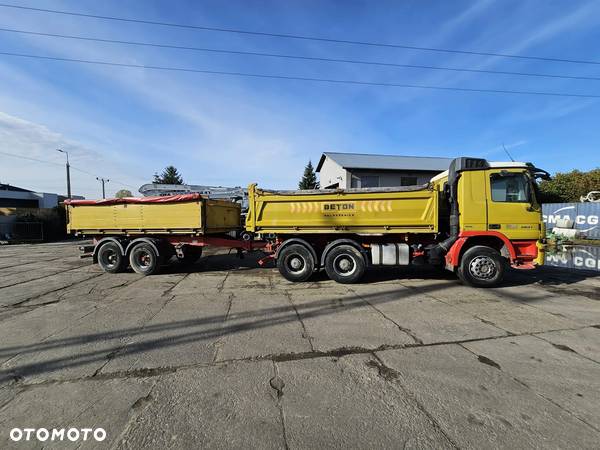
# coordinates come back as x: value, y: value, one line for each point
x: 512, y: 207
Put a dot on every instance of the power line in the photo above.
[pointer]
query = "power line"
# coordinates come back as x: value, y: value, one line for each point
x: 299, y: 57
x: 29, y: 158
x: 295, y: 36
x: 299, y: 78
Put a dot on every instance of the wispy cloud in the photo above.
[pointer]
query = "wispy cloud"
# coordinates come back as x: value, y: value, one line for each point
x: 23, y: 138
x: 128, y: 123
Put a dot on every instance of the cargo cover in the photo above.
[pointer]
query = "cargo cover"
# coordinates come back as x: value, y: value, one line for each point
x: 411, y: 209
x: 173, y: 214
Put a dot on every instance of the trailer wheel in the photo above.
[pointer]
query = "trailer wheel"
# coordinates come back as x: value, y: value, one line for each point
x: 482, y: 266
x: 345, y: 264
x: 144, y: 259
x: 110, y: 258
x: 295, y: 263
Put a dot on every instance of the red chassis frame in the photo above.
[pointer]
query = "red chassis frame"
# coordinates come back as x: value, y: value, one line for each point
x: 204, y: 241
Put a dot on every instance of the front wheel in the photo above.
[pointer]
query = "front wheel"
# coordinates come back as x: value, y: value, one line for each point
x: 143, y: 259
x: 345, y: 264
x: 482, y: 266
x: 295, y: 263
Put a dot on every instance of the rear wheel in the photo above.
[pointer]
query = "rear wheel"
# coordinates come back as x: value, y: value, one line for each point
x: 144, y: 259
x: 345, y: 264
x: 482, y: 266
x: 110, y: 258
x: 295, y: 263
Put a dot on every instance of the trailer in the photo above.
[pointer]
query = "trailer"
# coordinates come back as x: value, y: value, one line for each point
x: 475, y: 219
x: 145, y: 232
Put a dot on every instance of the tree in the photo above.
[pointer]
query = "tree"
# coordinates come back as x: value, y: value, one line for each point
x: 168, y: 176
x: 309, y: 179
x: 123, y: 193
x: 568, y: 187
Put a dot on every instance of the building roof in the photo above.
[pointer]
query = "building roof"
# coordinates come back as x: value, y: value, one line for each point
x: 8, y: 187
x: 385, y: 162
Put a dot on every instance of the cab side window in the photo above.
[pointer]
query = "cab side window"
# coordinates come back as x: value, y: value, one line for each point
x: 509, y: 187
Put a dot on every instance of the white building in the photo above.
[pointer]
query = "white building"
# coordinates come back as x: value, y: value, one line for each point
x: 356, y: 170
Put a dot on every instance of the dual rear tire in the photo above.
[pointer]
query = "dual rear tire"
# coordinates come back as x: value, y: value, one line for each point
x: 344, y: 263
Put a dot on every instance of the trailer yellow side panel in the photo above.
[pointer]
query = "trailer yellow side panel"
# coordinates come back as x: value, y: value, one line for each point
x: 370, y: 211
x: 222, y: 215
x: 204, y: 216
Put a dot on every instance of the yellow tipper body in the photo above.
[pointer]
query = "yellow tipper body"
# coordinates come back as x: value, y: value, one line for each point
x: 203, y: 216
x: 372, y: 211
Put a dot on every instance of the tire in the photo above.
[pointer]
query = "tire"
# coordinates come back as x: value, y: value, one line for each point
x: 482, y: 266
x: 191, y: 255
x: 110, y: 258
x: 345, y: 264
x: 144, y: 260
x: 296, y: 263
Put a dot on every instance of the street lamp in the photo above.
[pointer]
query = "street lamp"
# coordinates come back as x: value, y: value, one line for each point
x: 68, y: 172
x: 103, y: 181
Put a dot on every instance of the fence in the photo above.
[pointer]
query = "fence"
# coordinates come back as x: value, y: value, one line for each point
x: 584, y: 216
x: 22, y: 232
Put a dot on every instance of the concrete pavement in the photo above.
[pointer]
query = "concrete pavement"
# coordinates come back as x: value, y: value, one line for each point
x: 229, y: 355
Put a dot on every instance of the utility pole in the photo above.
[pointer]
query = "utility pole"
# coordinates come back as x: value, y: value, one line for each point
x: 103, y: 181
x: 68, y: 172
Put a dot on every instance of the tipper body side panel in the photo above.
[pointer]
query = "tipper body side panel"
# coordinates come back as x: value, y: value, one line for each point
x: 200, y: 216
x: 368, y: 211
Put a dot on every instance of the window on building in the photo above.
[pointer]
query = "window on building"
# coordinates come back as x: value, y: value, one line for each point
x: 369, y: 181
x: 409, y: 181
x: 511, y: 187
x: 364, y: 181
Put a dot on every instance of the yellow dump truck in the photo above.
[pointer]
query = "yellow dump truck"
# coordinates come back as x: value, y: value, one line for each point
x: 475, y: 219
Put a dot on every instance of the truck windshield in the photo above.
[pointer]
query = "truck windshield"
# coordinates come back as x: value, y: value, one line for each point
x: 510, y: 187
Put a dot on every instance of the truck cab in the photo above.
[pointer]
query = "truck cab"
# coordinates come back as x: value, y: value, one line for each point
x: 494, y: 218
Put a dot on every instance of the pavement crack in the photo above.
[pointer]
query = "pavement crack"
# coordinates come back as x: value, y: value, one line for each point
x: 109, y: 357
x: 305, y: 333
x: 222, y: 283
x: 142, y: 401
x: 55, y: 290
x: 278, y: 384
x: 219, y: 341
x: 385, y: 372
x: 385, y: 316
x: 137, y: 409
x: 566, y: 348
x: 490, y: 362
x: 433, y: 297
x: 169, y: 289
x: 382, y: 367
x: 41, y: 278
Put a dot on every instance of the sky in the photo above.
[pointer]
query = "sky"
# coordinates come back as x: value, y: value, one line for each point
x: 125, y: 124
